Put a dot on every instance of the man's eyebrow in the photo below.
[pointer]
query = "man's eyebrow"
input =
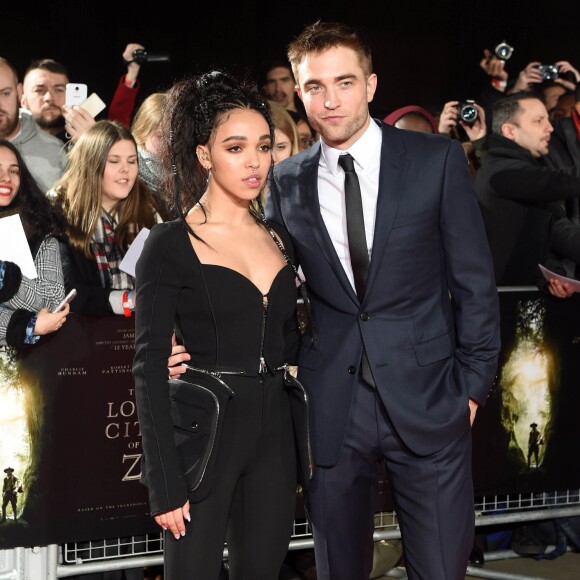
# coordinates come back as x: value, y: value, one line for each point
x: 336, y: 79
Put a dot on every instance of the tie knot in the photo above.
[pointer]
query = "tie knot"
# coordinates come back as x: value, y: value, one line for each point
x: 346, y: 161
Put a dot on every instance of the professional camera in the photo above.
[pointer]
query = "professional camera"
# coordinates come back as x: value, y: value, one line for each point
x: 141, y: 56
x: 467, y: 112
x: 503, y: 50
x: 549, y: 72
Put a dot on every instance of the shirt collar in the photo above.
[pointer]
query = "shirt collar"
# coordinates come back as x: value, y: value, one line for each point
x: 363, y: 150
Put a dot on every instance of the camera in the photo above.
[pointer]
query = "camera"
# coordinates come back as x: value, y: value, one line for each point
x: 467, y: 112
x: 503, y: 50
x: 549, y: 72
x: 141, y: 56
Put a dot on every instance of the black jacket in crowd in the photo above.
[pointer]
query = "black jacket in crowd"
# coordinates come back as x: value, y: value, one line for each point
x: 520, y: 196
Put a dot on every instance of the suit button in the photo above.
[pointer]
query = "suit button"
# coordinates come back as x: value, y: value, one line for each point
x: 195, y: 426
x: 364, y: 316
x: 352, y: 370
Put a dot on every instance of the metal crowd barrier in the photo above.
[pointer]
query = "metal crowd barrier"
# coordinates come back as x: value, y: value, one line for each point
x: 141, y: 551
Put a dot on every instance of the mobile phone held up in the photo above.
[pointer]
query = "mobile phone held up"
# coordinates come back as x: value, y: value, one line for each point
x: 66, y: 300
x: 75, y: 94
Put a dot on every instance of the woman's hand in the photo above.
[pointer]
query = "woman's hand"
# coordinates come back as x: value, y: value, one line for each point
x: 47, y: 321
x: 174, y: 520
x: 178, y: 356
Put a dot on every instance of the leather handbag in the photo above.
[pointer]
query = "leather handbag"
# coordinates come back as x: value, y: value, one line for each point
x: 300, y: 410
x: 198, y: 402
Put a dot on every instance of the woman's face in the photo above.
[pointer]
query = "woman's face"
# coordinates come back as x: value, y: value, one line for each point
x: 282, y: 146
x: 153, y: 141
x: 9, y: 176
x: 240, y: 155
x: 120, y: 174
x: 304, y: 135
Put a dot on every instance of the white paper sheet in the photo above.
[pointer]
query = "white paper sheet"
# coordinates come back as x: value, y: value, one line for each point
x: 130, y: 259
x: 575, y: 284
x: 14, y: 246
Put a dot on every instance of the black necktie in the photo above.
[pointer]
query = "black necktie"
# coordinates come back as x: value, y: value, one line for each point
x: 355, y: 225
x: 357, y: 241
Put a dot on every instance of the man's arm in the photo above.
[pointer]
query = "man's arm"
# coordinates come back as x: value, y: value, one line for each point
x: 470, y: 279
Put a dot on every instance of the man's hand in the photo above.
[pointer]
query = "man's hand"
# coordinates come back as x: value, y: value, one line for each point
x: 564, y: 67
x: 478, y: 129
x: 559, y: 289
x: 178, y: 356
x: 473, y: 405
x: 527, y: 77
x: 493, y: 66
x: 77, y: 120
x: 448, y: 117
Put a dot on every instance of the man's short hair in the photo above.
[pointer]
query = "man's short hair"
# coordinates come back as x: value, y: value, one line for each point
x: 271, y: 64
x: 321, y: 36
x: 11, y: 67
x: 506, y: 109
x: 47, y: 64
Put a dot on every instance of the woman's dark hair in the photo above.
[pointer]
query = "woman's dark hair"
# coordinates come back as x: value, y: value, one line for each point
x: 40, y: 218
x: 194, y: 107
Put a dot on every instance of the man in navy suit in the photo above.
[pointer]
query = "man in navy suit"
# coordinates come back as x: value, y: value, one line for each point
x: 427, y: 321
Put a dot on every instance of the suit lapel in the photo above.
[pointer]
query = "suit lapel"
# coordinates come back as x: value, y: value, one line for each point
x: 308, y: 182
x: 391, y: 179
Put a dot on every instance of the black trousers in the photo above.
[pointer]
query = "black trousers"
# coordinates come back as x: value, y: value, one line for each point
x: 253, y: 501
x: 433, y: 498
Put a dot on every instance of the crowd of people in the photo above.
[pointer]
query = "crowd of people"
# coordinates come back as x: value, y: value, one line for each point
x: 246, y: 189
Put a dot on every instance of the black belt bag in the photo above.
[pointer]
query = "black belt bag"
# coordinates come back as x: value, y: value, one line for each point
x: 198, y: 402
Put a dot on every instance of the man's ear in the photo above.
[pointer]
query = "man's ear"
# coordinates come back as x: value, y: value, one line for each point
x: 371, y: 87
x: 577, y: 107
x: 508, y: 130
x: 20, y: 92
x: 298, y: 91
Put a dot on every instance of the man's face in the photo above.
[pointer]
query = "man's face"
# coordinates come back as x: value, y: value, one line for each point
x: 531, y: 129
x: 551, y: 95
x: 9, y: 97
x: 280, y: 86
x: 44, y: 95
x: 336, y: 92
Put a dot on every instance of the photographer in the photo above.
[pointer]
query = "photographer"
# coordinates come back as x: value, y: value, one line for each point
x: 549, y: 81
x: 520, y: 196
x: 465, y: 122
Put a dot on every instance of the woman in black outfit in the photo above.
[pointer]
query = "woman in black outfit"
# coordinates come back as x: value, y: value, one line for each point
x: 219, y: 279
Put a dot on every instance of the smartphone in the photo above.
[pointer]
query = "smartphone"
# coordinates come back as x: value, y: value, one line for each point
x: 76, y: 94
x: 66, y: 300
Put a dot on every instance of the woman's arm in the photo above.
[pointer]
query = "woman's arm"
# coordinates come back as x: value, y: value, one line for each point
x: 47, y: 289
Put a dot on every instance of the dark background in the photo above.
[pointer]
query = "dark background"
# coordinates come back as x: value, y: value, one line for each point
x: 425, y: 53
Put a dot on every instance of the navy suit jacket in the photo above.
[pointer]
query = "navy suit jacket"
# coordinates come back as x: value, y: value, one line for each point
x: 429, y: 320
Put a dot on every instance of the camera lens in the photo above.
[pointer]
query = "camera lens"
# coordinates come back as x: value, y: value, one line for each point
x: 503, y: 51
x: 549, y: 72
x: 467, y: 112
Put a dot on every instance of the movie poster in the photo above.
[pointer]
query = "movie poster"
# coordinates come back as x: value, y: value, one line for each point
x: 527, y: 437
x: 69, y: 436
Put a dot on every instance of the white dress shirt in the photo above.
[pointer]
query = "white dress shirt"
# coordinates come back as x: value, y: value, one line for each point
x: 366, y: 153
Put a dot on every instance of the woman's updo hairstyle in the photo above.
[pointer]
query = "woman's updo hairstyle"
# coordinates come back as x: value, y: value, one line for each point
x: 193, y: 109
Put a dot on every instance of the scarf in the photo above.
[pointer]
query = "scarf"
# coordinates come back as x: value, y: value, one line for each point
x: 109, y: 256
